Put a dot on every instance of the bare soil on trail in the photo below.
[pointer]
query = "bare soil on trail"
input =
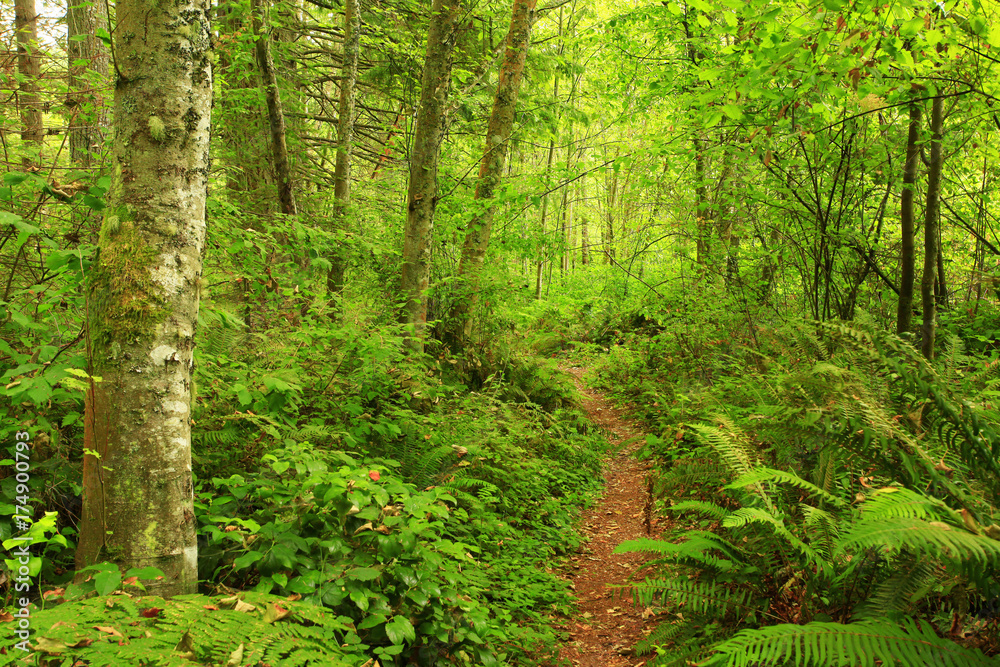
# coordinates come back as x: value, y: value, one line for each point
x: 607, y: 624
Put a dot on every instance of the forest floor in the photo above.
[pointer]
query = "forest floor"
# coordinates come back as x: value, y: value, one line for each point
x: 607, y: 624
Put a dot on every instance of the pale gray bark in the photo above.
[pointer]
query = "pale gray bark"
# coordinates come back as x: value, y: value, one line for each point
x: 138, y: 499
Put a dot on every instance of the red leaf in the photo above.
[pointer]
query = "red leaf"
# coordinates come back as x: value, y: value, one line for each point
x: 150, y: 612
x: 374, y: 475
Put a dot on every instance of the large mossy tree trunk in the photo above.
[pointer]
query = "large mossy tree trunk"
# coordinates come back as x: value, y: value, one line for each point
x: 137, y: 498
x: 477, y: 235
x: 929, y: 278
x: 421, y: 198
x: 345, y: 144
x: 907, y: 261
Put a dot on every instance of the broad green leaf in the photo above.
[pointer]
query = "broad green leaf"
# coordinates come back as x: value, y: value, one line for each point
x: 399, y: 629
x: 108, y: 582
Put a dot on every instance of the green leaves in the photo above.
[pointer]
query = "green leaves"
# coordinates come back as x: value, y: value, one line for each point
x: 863, y: 644
x: 400, y: 630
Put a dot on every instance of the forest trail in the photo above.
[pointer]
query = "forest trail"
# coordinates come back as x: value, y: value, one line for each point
x: 607, y: 625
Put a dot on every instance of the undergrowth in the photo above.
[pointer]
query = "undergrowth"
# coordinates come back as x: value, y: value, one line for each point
x: 405, y: 509
x: 834, y: 496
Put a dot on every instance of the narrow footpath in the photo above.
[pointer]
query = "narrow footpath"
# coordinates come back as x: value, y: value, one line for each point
x: 607, y: 625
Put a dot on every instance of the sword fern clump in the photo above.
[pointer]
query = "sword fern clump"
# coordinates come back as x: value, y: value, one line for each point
x: 848, y: 520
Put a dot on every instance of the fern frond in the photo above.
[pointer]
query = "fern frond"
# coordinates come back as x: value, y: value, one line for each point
x: 692, y: 473
x: 696, y: 597
x: 896, y: 503
x: 748, y: 515
x: 911, y: 579
x: 727, y: 444
x: 933, y: 538
x: 711, y: 510
x: 692, y: 551
x: 662, y: 634
x: 862, y: 644
x: 764, y: 474
x: 826, y: 528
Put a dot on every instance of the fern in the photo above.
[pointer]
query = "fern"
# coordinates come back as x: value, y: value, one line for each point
x: 726, y: 441
x: 898, y: 503
x: 748, y: 515
x: 934, y: 538
x: 695, y: 597
x: 763, y: 474
x: 711, y: 510
x: 693, y: 551
x: 252, y: 629
x: 911, y: 578
x: 862, y: 644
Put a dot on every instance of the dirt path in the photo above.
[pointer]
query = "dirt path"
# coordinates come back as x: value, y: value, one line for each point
x: 607, y: 626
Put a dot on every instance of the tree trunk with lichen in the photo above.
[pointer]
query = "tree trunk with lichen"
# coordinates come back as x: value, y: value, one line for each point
x: 421, y: 198
x: 345, y: 145
x: 29, y: 67
x: 477, y: 235
x: 137, y: 488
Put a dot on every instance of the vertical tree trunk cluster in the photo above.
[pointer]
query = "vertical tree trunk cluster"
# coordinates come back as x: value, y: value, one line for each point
x: 345, y: 143
x: 477, y: 236
x: 428, y: 133
x: 138, y: 497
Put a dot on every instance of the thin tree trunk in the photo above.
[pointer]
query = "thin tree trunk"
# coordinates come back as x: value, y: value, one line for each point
x: 567, y: 228
x: 907, y: 261
x: 138, y: 502
x: 545, y: 207
x: 275, y: 116
x: 498, y: 131
x: 422, y: 194
x: 931, y: 230
x: 941, y: 291
x: 29, y: 67
x: 703, y: 214
x: 609, y: 229
x: 584, y: 228
x: 89, y: 120
x: 345, y: 142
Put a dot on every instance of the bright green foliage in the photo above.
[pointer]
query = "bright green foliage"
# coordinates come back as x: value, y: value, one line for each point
x: 862, y: 644
x: 246, y: 629
x: 838, y: 481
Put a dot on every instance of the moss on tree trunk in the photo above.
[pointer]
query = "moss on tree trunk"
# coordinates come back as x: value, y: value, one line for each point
x: 138, y: 497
